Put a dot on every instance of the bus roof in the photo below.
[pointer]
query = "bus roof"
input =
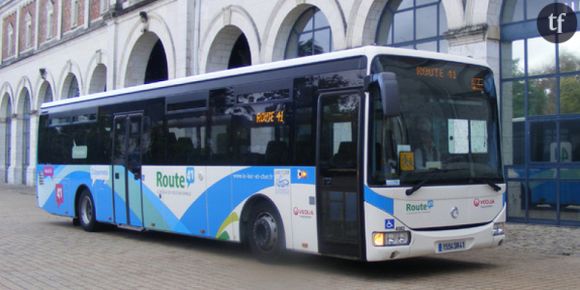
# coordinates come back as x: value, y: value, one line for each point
x: 369, y: 51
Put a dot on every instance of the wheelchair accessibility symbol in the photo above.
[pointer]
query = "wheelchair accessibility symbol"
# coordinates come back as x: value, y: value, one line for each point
x: 389, y: 224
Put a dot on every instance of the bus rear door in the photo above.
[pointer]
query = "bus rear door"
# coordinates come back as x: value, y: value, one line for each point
x: 127, y: 196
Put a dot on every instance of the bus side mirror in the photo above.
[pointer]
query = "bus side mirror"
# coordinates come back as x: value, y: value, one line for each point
x: 389, y: 90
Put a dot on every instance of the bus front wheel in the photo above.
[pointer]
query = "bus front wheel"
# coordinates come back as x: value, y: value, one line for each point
x: 86, y: 212
x: 266, y: 232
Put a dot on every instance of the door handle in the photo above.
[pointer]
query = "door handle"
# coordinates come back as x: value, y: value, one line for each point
x: 327, y: 180
x: 116, y: 175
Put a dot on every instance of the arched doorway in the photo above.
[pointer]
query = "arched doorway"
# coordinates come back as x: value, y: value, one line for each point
x: 230, y: 49
x: 70, y: 88
x: 6, y: 130
x: 241, y: 55
x: 45, y: 94
x: 24, y: 111
x: 147, y: 62
x: 98, y: 80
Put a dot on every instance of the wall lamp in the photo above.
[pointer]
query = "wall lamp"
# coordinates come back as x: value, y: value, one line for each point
x: 42, y: 72
x: 144, y: 17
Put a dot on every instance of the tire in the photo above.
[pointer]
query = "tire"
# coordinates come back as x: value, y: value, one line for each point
x: 86, y: 212
x: 265, y: 233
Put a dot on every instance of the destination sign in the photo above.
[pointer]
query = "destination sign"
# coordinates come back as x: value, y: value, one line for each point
x: 436, y: 73
x: 273, y: 117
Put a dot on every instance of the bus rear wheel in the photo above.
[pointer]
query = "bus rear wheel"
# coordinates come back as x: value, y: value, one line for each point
x: 86, y: 212
x: 266, y: 232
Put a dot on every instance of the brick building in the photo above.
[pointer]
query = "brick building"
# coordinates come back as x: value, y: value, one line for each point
x: 57, y: 49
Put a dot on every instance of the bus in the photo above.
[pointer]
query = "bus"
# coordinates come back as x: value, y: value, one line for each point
x: 319, y: 154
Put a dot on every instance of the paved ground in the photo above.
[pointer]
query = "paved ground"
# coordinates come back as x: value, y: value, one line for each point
x: 41, y: 251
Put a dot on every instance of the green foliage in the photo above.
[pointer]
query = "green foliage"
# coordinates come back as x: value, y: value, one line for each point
x: 542, y: 97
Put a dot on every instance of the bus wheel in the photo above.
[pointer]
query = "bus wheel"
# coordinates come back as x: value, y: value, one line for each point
x: 86, y: 212
x: 266, y: 232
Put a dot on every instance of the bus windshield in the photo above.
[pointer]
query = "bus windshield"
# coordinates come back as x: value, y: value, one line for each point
x: 445, y: 129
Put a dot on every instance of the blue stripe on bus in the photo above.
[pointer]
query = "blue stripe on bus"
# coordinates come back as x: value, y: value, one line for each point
x: 206, y: 214
x: 381, y: 202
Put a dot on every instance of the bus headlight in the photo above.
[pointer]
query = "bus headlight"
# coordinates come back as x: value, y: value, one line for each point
x: 391, y: 239
x: 498, y: 229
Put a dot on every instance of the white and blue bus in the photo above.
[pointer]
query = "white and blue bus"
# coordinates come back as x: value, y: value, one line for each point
x: 372, y: 153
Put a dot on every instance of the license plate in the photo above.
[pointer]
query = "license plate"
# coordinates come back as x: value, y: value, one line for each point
x: 450, y: 246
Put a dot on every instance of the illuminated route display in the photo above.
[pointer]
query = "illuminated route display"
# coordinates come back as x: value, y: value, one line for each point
x: 435, y: 72
x: 273, y: 117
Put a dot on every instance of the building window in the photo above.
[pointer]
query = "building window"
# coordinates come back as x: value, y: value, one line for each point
x: 49, y: 16
x: 310, y: 35
x: 74, y: 13
x: 10, y: 39
x: 416, y: 24
x: 27, y: 30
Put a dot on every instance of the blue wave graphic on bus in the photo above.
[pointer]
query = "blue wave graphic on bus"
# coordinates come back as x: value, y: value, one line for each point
x: 203, y: 217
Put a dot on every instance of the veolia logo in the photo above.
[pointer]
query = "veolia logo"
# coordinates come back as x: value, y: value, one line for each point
x: 483, y: 202
x: 176, y: 180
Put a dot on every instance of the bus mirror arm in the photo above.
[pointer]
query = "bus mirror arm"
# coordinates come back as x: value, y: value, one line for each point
x: 388, y: 86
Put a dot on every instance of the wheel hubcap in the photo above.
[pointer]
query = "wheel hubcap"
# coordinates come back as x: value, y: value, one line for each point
x: 265, y: 232
x: 86, y: 210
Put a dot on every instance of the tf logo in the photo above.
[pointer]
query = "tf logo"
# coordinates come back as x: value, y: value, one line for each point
x: 59, y: 194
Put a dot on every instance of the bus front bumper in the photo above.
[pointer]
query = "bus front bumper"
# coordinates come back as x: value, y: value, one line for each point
x: 424, y: 243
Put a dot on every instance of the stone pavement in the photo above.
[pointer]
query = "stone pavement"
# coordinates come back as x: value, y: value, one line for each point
x: 41, y: 251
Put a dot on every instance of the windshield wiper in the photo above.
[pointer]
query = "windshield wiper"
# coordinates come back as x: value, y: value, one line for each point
x: 432, y: 174
x: 491, y: 184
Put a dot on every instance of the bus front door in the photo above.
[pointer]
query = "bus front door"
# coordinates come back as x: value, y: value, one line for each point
x: 338, y: 190
x: 127, y: 197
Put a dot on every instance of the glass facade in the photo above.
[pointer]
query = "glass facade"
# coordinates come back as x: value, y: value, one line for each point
x: 417, y: 24
x: 310, y: 35
x: 540, y: 86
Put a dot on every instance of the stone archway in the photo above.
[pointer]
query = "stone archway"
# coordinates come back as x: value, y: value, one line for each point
x: 6, y: 134
x: 45, y: 94
x: 147, y: 61
x: 229, y: 49
x: 23, y: 110
x: 280, y: 24
x: 98, y: 82
x: 241, y: 55
x: 70, y: 88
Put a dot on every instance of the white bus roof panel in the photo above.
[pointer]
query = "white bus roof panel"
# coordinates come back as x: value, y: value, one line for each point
x: 369, y: 51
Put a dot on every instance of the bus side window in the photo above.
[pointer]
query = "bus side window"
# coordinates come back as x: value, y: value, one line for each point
x: 222, y: 103
x: 304, y: 122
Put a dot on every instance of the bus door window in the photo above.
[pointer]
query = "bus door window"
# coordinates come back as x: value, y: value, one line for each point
x: 134, y: 145
x: 338, y: 162
x: 120, y: 150
x: 338, y: 142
